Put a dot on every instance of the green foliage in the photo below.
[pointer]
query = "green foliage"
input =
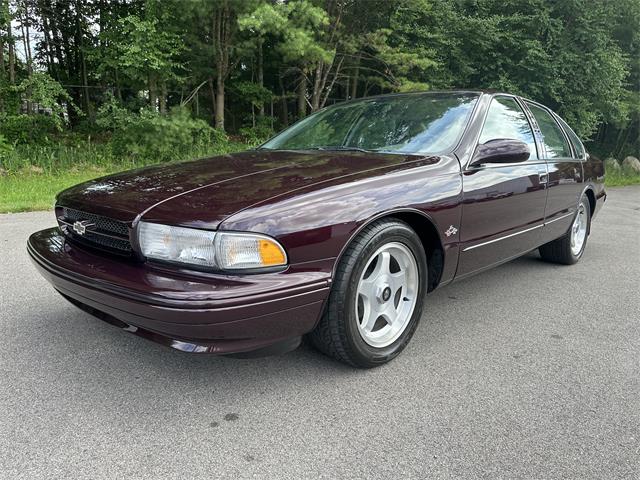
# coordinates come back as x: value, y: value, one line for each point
x: 42, y: 90
x: 149, y: 135
x: 28, y: 129
x: 297, y: 25
x: 143, y: 49
x: 259, y: 133
x: 252, y: 93
x: 580, y: 57
x: 5, y: 146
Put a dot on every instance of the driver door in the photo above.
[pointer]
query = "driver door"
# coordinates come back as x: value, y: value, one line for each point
x: 503, y: 203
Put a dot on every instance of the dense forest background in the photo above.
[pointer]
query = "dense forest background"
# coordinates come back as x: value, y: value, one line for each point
x: 150, y: 80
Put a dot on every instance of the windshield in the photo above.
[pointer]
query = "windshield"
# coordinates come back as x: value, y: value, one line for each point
x: 412, y: 123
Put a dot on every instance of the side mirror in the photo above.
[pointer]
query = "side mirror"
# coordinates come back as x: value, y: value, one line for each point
x: 501, y: 150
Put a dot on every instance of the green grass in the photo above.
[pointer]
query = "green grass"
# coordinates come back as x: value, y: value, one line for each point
x: 26, y: 192
x: 620, y: 179
x: 32, y: 175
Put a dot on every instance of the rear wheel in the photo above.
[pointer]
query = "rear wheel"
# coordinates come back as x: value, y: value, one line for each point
x: 569, y: 248
x: 376, y: 298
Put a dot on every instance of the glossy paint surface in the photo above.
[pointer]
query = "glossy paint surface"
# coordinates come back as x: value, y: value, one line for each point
x: 314, y: 203
x: 499, y: 201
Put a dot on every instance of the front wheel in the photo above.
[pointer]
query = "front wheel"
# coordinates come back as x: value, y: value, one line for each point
x: 569, y: 248
x: 376, y: 298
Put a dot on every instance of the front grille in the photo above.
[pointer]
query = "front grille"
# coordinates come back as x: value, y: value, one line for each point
x: 101, y: 232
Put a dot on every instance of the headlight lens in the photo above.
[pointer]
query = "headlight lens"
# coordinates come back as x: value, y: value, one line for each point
x: 176, y: 244
x: 221, y: 250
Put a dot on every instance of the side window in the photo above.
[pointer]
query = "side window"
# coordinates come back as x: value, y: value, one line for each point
x: 554, y: 140
x: 575, y: 141
x: 505, y: 119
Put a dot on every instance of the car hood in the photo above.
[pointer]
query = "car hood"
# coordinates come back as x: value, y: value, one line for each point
x: 204, y: 192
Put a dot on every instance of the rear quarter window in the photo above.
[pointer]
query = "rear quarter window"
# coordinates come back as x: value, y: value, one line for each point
x: 578, y: 148
x: 554, y: 140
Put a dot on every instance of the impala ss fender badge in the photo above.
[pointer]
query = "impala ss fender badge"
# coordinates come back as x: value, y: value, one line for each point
x: 81, y: 227
x: 451, y: 231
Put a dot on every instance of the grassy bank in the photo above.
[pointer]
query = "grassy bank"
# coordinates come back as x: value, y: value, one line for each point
x: 33, y: 186
x: 619, y: 179
x: 26, y: 192
x: 31, y: 176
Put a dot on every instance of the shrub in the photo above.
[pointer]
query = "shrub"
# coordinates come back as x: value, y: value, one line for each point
x: 258, y: 134
x: 42, y: 90
x: 23, y: 129
x: 5, y: 146
x: 157, y: 138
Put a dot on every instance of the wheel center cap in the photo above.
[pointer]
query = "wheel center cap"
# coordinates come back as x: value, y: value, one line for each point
x: 384, y: 293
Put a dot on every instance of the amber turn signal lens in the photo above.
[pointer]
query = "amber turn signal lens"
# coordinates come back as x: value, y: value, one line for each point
x: 270, y: 253
x: 240, y: 250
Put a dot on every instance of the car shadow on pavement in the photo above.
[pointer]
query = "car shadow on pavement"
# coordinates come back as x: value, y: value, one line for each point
x: 104, y: 356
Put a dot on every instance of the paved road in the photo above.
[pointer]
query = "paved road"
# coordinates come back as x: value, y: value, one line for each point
x: 527, y: 371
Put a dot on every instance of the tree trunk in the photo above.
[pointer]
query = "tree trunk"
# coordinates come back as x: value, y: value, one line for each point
x: 83, y: 64
x: 317, y: 87
x: 302, y: 95
x: 85, y: 87
x: 48, y: 47
x: 12, y: 52
x: 12, y: 63
x: 24, y: 45
x: 55, y: 37
x: 284, y: 111
x: 222, y: 33
x: 153, y: 93
x: 219, y: 102
x: 163, y: 98
x: 2, y: 72
x: 27, y: 41
x: 213, y: 100
x: 118, y: 90
x: 260, y: 62
x: 354, y: 84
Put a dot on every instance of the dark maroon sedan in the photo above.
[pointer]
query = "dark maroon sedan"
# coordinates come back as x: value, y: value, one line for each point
x: 337, y: 228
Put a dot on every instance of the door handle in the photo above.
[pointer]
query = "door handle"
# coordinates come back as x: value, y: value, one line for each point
x: 544, y: 178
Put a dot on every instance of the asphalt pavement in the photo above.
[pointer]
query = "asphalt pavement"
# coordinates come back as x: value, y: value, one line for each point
x: 530, y: 370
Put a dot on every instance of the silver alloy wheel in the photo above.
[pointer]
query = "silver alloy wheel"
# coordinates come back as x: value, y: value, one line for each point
x: 387, y: 294
x: 579, y: 230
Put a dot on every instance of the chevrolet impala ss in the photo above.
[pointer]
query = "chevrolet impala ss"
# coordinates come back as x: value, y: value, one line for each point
x: 337, y: 228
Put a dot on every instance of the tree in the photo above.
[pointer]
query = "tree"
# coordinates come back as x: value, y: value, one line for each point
x: 580, y: 57
x: 148, y: 54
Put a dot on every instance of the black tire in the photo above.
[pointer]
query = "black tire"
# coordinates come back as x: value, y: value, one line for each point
x: 337, y: 335
x: 559, y: 250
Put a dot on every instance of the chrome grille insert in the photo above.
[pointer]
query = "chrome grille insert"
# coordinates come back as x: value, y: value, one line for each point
x: 95, y: 230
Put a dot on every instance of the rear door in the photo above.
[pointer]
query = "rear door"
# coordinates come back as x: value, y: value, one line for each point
x: 565, y: 172
x: 503, y: 204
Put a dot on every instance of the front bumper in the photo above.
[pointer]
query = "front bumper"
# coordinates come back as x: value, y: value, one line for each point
x: 189, y: 311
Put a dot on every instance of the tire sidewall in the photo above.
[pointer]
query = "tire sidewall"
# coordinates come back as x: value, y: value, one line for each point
x: 395, y: 232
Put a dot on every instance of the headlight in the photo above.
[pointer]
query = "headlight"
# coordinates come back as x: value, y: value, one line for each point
x: 216, y: 250
x: 176, y: 244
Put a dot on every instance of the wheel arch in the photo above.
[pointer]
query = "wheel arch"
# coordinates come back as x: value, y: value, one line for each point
x: 425, y: 228
x: 592, y: 198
